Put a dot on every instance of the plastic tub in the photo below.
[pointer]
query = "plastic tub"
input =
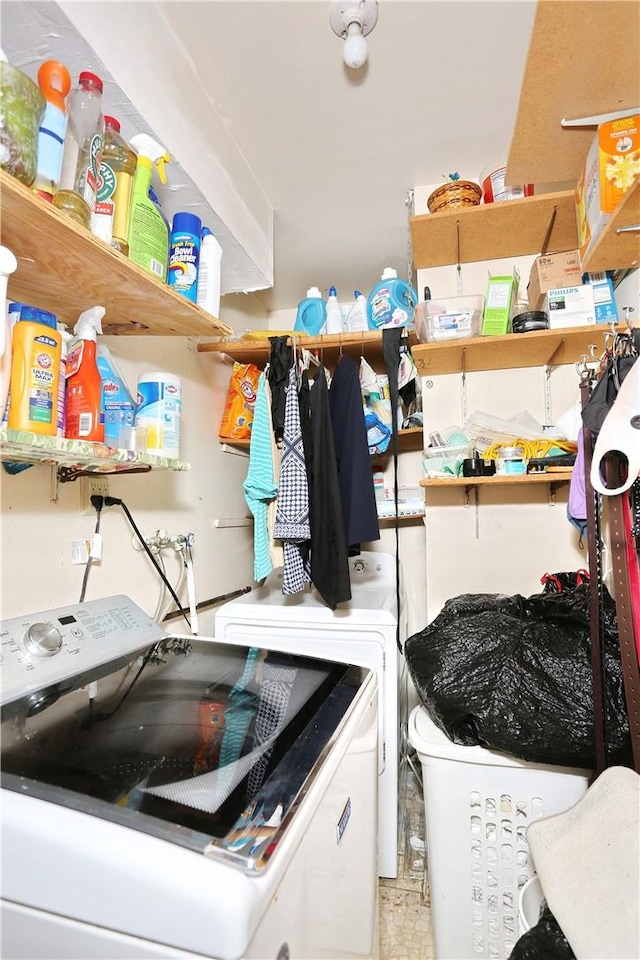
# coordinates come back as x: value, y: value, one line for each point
x: 494, y: 188
x: 478, y: 805
x: 449, y: 319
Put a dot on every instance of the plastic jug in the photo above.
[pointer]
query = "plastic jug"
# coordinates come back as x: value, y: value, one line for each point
x: 8, y: 264
x: 392, y: 302
x: 312, y: 314
x: 334, y: 313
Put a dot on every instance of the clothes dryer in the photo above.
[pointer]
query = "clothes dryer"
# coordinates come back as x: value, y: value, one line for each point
x: 363, y: 631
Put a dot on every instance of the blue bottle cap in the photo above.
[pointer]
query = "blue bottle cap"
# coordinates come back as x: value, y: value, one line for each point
x: 186, y: 223
x: 356, y: 294
x: 332, y: 292
x: 39, y: 316
x: 16, y: 307
x: 206, y: 232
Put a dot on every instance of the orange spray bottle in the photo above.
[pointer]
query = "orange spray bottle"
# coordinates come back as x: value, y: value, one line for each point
x: 84, y: 406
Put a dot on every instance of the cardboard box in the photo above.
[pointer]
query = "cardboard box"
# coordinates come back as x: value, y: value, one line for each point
x: 551, y: 271
x: 501, y: 296
x: 603, y: 297
x: 612, y: 163
x: 570, y: 306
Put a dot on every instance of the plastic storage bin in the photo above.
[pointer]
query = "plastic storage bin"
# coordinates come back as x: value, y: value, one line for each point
x: 449, y: 319
x: 478, y: 805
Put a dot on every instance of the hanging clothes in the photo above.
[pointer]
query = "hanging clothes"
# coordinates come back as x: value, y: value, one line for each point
x: 275, y: 546
x: 359, y: 513
x: 280, y: 360
x: 260, y: 487
x: 329, y: 554
x: 292, y: 513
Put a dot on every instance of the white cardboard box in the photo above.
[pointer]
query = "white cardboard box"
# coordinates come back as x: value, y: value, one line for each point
x: 570, y: 306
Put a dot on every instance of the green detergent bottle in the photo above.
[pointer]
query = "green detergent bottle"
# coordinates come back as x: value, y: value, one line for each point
x: 148, y: 232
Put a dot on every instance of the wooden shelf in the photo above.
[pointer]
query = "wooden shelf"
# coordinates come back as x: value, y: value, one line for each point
x: 65, y: 269
x: 329, y: 348
x: 555, y: 477
x: 536, y: 349
x: 410, y: 439
x: 74, y: 457
x: 579, y: 64
x: 403, y: 519
x: 490, y: 231
x: 612, y: 250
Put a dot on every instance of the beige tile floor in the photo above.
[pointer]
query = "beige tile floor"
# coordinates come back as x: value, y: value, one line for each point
x: 405, y: 918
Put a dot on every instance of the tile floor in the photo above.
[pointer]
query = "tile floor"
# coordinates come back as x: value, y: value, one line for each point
x: 405, y: 917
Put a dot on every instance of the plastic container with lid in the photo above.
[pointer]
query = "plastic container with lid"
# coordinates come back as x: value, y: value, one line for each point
x: 511, y: 461
x: 334, y: 313
x: 159, y: 411
x: 35, y: 372
x: 449, y: 319
x: 312, y: 314
x: 494, y: 188
x: 83, y: 144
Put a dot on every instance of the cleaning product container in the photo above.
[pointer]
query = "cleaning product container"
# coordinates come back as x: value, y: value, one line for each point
x: 35, y: 371
x: 184, y: 255
x: 209, y: 280
x: 312, y: 314
x: 8, y: 265
x: 494, y: 188
x: 159, y: 410
x: 478, y: 805
x: 392, y: 302
x: 54, y: 81
x: 452, y: 318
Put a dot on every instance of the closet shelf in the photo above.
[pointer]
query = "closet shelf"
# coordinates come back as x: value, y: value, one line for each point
x: 328, y: 348
x: 65, y: 269
x: 74, y: 457
x: 538, y: 348
x: 491, y: 231
x: 578, y: 65
x: 410, y: 439
x: 612, y: 249
x: 556, y: 476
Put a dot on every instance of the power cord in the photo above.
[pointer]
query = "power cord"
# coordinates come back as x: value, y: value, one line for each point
x: 97, y: 502
x: 117, y: 502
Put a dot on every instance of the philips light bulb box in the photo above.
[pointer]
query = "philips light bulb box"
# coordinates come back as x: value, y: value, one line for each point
x: 570, y: 307
x: 500, y: 298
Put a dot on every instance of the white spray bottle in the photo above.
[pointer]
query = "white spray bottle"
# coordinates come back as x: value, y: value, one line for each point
x: 208, y: 296
x: 8, y: 265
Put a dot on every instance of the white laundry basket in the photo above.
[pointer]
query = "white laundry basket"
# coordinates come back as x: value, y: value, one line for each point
x: 478, y: 804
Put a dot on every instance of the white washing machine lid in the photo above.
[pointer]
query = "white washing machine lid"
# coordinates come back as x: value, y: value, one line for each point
x: 368, y: 608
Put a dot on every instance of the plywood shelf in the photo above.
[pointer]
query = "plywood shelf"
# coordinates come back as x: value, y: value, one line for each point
x: 612, y: 249
x: 490, y: 231
x: 557, y: 476
x: 513, y: 350
x: 65, y: 269
x: 328, y: 349
x: 579, y: 64
x: 410, y: 439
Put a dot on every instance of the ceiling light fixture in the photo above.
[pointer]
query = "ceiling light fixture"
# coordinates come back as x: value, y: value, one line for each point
x: 352, y: 20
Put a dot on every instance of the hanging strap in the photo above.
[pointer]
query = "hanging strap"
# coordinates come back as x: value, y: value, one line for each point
x: 391, y: 352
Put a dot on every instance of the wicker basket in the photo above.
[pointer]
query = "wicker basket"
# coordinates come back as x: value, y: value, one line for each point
x: 455, y: 193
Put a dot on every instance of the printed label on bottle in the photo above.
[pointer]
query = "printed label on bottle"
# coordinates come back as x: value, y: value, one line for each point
x: 74, y: 359
x: 90, y: 174
x: 104, y: 210
x: 41, y: 399
x: 183, y: 264
x: 158, y: 409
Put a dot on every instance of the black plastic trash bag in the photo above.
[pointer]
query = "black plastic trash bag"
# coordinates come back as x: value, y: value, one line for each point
x: 514, y: 674
x: 545, y: 941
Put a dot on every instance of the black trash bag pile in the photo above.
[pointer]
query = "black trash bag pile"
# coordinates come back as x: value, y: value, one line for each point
x: 514, y: 674
x: 545, y: 941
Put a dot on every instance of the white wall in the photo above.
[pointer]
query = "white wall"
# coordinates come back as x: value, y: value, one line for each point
x: 37, y: 572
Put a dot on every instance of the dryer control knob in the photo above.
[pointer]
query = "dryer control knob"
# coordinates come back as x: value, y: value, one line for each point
x: 359, y: 566
x: 42, y: 640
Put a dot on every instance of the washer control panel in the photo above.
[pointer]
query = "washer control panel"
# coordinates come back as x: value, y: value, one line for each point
x: 45, y: 648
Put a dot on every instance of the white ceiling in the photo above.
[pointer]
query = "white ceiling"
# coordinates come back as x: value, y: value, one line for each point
x: 336, y: 151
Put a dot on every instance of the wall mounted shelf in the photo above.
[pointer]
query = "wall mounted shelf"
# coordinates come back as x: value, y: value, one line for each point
x: 554, y: 479
x: 491, y: 231
x: 618, y: 246
x: 73, y: 458
x: 63, y: 268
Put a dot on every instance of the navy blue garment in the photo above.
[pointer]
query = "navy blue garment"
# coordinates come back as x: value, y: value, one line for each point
x: 329, y: 555
x: 359, y: 513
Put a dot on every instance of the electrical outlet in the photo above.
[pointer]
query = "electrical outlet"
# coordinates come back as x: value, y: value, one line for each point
x: 89, y: 487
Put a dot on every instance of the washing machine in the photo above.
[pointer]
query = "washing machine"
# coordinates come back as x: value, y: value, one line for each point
x: 164, y: 797
x: 362, y: 631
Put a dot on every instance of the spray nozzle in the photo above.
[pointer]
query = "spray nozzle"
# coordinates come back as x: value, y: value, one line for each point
x: 146, y: 146
x: 89, y: 323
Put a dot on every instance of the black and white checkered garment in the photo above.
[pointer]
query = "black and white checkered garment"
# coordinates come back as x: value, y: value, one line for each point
x: 292, y: 512
x: 275, y: 693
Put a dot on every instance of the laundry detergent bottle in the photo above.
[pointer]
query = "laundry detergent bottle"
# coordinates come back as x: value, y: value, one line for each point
x: 35, y: 369
x: 85, y: 408
x: 357, y: 317
x: 312, y: 314
x: 334, y: 313
x: 392, y: 302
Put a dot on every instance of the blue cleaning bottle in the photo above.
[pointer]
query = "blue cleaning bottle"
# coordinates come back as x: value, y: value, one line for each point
x: 392, y: 302
x: 184, y: 255
x: 312, y: 314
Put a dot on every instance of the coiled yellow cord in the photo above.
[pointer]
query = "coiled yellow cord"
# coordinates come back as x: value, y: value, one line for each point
x: 531, y: 448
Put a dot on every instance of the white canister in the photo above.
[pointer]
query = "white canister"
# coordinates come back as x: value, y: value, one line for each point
x: 158, y: 410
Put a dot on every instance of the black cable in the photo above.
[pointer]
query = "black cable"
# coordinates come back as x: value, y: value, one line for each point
x: 117, y: 502
x: 98, y: 503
